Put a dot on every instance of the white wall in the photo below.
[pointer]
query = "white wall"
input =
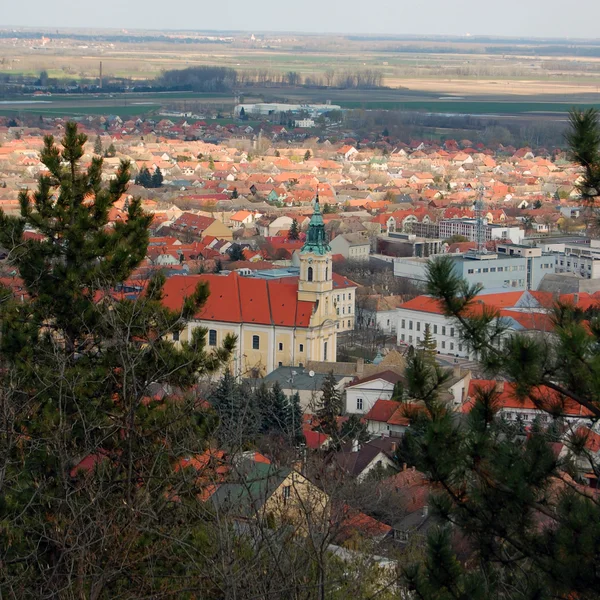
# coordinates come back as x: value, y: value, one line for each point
x: 370, y: 392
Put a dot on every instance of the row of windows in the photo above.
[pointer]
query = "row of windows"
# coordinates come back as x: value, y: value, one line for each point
x: 212, y: 341
x: 434, y: 329
x: 344, y: 297
x: 496, y: 269
x: 575, y: 264
x: 344, y: 310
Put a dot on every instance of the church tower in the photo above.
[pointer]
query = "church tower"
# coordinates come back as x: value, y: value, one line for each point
x: 316, y: 285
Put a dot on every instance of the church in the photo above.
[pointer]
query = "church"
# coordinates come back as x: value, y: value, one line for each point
x: 277, y: 323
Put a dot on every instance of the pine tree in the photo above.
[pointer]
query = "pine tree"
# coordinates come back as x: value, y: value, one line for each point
x: 218, y: 266
x: 239, y: 415
x: 330, y: 408
x: 236, y: 253
x: 532, y: 529
x: 294, y: 232
x: 211, y: 163
x: 157, y: 178
x: 428, y: 345
x: 235, y: 194
x: 398, y: 391
x: 98, y: 146
x: 112, y: 151
x: 79, y: 373
x: 144, y: 178
x: 307, y: 155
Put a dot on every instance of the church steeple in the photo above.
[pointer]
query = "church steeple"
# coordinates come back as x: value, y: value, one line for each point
x: 316, y: 237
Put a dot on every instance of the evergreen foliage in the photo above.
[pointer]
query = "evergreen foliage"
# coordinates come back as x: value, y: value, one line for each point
x: 236, y: 253
x: 81, y: 368
x: 149, y: 180
x: 330, y: 409
x: 354, y: 430
x: 531, y: 521
x: 427, y: 345
x: 294, y: 232
x: 98, y: 146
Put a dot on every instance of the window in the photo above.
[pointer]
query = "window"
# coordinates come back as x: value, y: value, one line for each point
x: 410, y: 325
x: 337, y: 310
x: 443, y: 344
x: 349, y: 321
x: 212, y: 337
x: 403, y: 337
x: 280, y: 364
x: 301, y: 347
x: 176, y: 336
x: 287, y: 492
x: 326, y: 273
x: 309, y: 274
x: 470, y: 271
x: 325, y: 351
x: 255, y: 342
x: 485, y: 270
x: 343, y: 310
x: 418, y: 325
x: 500, y: 269
x: 349, y: 296
x: 443, y: 330
x: 492, y: 269
x: 280, y: 346
x: 359, y: 404
x: 344, y: 297
x: 451, y: 331
x: 403, y: 324
x: 410, y: 339
x: 435, y: 329
x: 460, y: 347
x: 451, y: 345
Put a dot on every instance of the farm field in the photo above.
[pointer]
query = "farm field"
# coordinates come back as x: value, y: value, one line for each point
x: 454, y: 76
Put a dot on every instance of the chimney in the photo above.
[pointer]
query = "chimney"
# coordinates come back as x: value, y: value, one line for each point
x: 404, y: 466
x: 425, y: 510
x: 360, y: 367
x: 500, y: 386
x: 575, y: 299
x: 393, y: 447
x: 355, y: 446
x: 457, y: 372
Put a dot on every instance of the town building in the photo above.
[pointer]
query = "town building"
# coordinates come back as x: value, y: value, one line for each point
x: 276, y: 323
x: 468, y: 229
x: 352, y: 246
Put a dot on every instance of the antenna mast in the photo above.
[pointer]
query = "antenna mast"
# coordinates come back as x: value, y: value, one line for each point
x: 480, y: 222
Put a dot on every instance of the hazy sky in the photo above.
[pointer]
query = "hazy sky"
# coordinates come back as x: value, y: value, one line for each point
x: 541, y: 18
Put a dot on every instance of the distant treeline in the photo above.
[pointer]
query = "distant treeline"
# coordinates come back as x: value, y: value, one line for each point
x: 218, y: 79
x: 198, y: 79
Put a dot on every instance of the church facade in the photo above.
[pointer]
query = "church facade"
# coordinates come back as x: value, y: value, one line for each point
x: 276, y: 323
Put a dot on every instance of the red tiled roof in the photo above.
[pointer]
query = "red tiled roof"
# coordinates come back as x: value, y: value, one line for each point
x: 235, y: 299
x: 382, y: 410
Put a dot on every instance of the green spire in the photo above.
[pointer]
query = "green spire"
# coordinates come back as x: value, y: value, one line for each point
x: 316, y: 237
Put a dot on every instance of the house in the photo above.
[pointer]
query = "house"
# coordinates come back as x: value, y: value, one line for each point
x: 241, y: 218
x: 352, y: 246
x: 198, y: 226
x: 276, y: 323
x: 359, y: 460
x: 362, y: 394
x: 256, y: 490
x: 347, y: 152
x: 387, y: 417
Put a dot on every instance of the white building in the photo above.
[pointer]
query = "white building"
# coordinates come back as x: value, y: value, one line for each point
x: 468, y: 229
x: 362, y: 394
x: 352, y: 246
